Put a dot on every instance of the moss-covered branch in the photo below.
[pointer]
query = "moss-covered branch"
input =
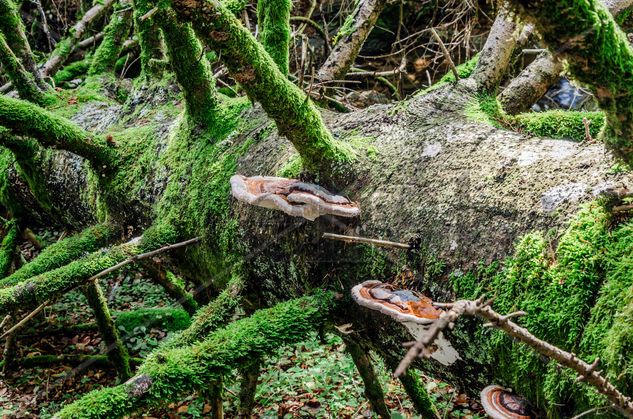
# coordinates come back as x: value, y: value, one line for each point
x: 65, y: 251
x: 34, y: 291
x: 115, y: 349
x: 598, y: 54
x: 249, y: 64
x: 174, y: 286
x: 65, y: 47
x: 273, y: 20
x: 22, y: 80
x: 116, y: 33
x: 192, y: 69
x: 149, y: 39
x: 24, y: 118
x: 7, y: 247
x: 167, y: 376
x: 12, y: 27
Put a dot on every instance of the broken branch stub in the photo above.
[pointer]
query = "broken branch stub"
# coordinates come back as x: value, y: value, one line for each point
x: 295, y: 198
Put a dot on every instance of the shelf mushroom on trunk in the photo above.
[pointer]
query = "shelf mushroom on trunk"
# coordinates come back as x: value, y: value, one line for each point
x: 500, y: 403
x: 295, y: 198
x: 415, y: 311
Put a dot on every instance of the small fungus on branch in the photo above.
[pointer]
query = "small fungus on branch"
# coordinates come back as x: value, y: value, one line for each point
x: 291, y: 196
x: 415, y: 311
x: 500, y: 403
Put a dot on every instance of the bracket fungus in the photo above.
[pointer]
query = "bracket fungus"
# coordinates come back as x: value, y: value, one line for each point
x: 295, y: 198
x: 500, y: 403
x: 415, y: 311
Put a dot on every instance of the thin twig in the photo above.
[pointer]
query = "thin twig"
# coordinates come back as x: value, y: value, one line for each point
x: 375, y: 242
x: 447, y: 55
x: 149, y: 14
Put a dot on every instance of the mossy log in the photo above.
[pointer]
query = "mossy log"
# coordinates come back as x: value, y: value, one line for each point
x: 430, y: 171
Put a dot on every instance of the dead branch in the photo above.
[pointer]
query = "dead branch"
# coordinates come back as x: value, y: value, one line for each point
x: 346, y: 50
x: 375, y: 242
x: 447, y: 55
x: 482, y: 309
x: 25, y: 320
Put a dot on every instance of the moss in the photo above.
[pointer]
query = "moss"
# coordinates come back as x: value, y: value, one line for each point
x: 346, y: 29
x: 554, y: 124
x: 72, y: 71
x: 558, y: 124
x: 115, y: 34
x: 296, y: 116
x: 292, y: 168
x: 464, y: 71
x: 573, y: 292
x: 63, y: 252
x: 273, y: 19
x: 7, y: 247
x: 23, y: 81
x: 169, y: 375
x: 418, y: 394
x: 117, y: 353
x: 149, y: 39
x: 165, y: 318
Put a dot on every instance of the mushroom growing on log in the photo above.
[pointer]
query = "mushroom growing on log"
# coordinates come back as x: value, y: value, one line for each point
x: 499, y: 403
x: 295, y: 198
x: 415, y: 311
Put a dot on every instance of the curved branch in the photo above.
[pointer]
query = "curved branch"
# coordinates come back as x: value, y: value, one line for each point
x: 24, y: 118
x: 296, y: 116
x: 170, y: 374
x: 23, y: 81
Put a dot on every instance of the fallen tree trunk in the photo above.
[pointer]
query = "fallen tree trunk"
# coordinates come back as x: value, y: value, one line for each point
x: 461, y: 191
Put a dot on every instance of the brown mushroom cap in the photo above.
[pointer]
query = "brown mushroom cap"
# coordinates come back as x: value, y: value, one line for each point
x: 402, y: 305
x: 295, y: 198
x: 499, y: 403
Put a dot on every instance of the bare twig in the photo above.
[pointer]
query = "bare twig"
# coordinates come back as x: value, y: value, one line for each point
x: 25, y: 320
x: 478, y: 308
x: 447, y: 55
x: 149, y: 14
x: 375, y: 242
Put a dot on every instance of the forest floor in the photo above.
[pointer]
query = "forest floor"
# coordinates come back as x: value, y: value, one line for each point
x: 311, y: 379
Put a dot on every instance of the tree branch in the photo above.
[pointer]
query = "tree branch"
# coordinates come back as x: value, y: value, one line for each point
x: 64, y: 48
x: 534, y: 81
x: 497, y: 51
x: 296, y: 116
x: 23, y: 81
x: 115, y: 34
x: 273, y: 19
x: 26, y: 119
x: 586, y: 372
x: 7, y: 247
x: 12, y: 27
x: 351, y: 37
